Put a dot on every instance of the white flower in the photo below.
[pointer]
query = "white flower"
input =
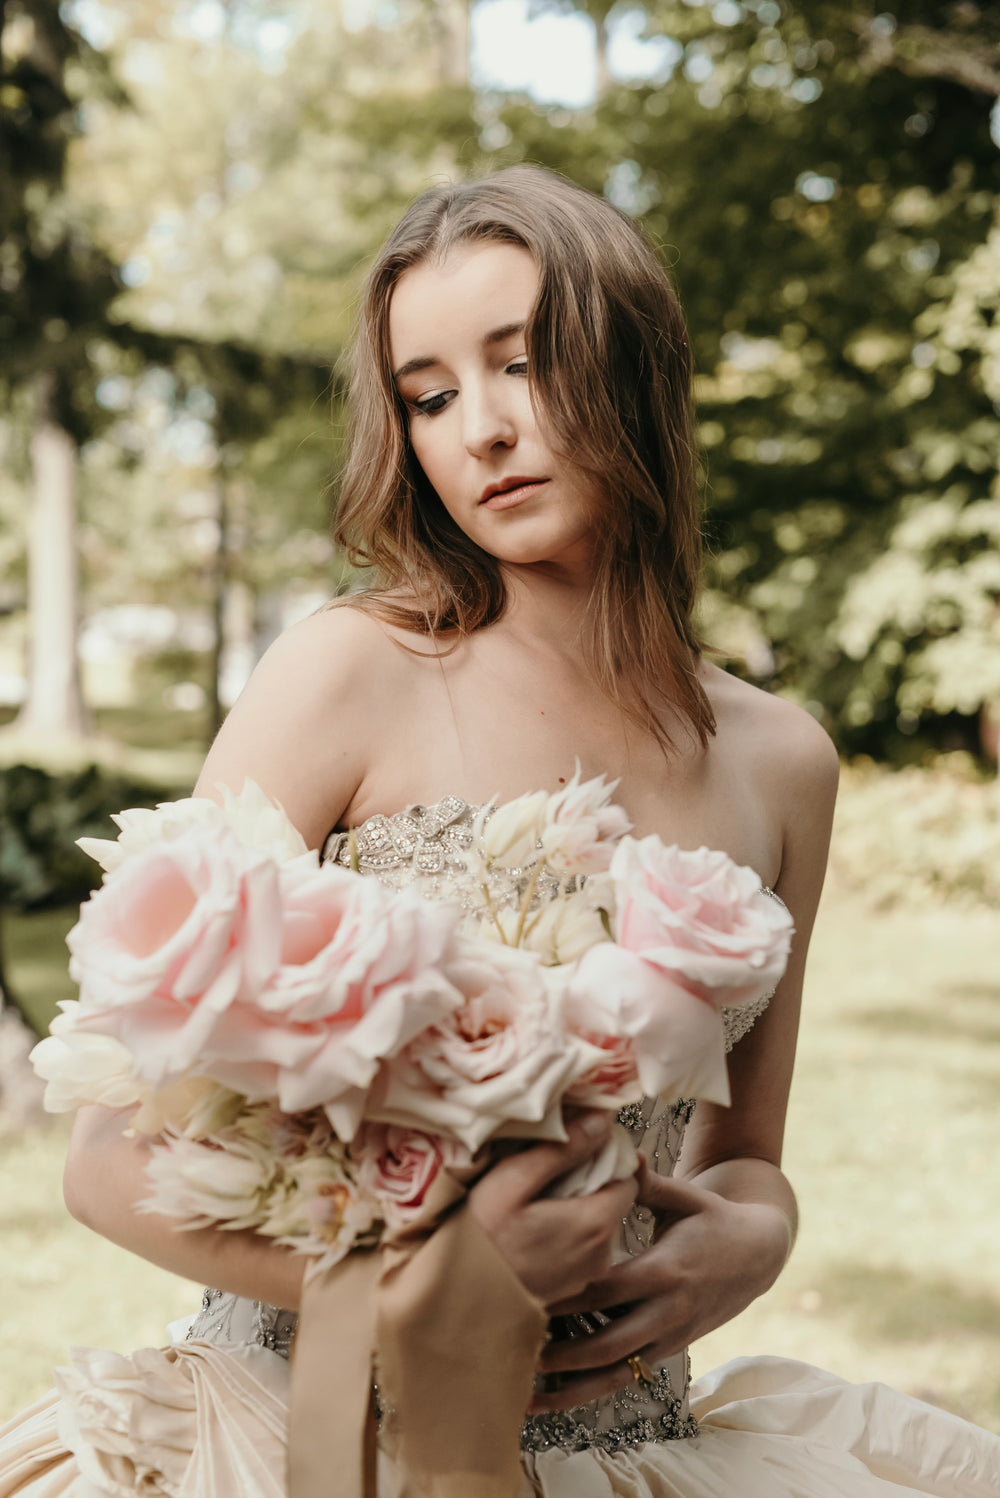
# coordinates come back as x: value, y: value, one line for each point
x: 509, y: 835
x: 618, y: 1160
x: 80, y: 1068
x: 559, y: 931
x: 581, y: 826
x: 202, y: 1183
x: 317, y: 1198
x: 254, y: 819
x: 194, y: 1106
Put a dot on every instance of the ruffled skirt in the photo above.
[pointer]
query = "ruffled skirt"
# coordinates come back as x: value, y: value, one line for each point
x: 199, y: 1421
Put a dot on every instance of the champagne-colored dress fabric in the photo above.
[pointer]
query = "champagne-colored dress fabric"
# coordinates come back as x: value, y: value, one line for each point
x: 204, y: 1416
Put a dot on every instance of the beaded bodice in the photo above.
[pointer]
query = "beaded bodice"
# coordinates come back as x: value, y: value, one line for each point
x: 430, y: 847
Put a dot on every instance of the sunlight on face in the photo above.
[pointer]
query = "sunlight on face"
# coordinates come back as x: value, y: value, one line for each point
x: 458, y: 348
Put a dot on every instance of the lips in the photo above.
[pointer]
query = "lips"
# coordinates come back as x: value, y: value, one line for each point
x: 511, y: 490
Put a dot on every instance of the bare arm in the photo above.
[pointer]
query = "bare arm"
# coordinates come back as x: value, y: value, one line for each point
x: 102, y: 1185
x: 286, y: 732
x: 727, y: 1222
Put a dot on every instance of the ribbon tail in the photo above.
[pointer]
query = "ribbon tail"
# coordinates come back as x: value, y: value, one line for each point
x: 331, y: 1431
x: 458, y: 1340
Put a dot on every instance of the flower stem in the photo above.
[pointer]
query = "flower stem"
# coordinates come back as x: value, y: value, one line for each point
x: 526, y: 900
x: 494, y: 913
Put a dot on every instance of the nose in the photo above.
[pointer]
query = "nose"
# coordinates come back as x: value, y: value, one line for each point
x: 488, y: 419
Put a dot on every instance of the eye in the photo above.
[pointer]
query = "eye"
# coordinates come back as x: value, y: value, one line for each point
x: 430, y: 405
x: 518, y: 366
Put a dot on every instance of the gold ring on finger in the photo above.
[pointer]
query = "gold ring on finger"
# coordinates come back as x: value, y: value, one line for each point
x: 641, y: 1371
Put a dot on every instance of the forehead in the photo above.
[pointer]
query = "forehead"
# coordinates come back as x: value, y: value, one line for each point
x: 440, y: 304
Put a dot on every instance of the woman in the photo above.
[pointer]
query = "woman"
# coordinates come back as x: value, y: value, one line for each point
x: 522, y: 479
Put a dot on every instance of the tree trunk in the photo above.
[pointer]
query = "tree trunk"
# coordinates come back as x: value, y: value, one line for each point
x: 20, y: 1090
x: 219, y: 587
x: 452, y: 18
x: 54, y: 704
x: 601, y: 51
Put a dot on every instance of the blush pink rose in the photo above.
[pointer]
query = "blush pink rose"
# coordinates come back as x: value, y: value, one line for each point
x: 614, y: 1080
x: 398, y: 1166
x: 637, y: 1015
x: 497, y: 1066
x: 362, y: 973
x: 701, y: 918
x: 172, y: 939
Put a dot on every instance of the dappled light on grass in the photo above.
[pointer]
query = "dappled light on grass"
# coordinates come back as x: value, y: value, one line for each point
x: 892, y: 1140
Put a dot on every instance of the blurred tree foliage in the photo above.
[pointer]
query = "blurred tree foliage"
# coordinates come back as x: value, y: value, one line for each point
x: 821, y: 180
x: 42, y: 815
x: 824, y: 183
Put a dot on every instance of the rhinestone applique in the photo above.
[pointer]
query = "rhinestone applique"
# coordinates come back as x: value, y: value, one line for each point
x: 566, y: 1429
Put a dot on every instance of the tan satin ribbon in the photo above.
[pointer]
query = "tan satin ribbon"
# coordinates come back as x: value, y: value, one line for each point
x: 457, y: 1339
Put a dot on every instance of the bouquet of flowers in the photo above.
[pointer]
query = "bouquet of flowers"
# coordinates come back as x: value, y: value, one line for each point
x: 311, y: 1049
x: 328, y: 1061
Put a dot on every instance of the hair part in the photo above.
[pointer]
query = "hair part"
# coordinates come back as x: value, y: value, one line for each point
x: 609, y: 365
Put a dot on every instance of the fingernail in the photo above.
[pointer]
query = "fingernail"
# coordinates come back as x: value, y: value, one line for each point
x: 594, y: 1125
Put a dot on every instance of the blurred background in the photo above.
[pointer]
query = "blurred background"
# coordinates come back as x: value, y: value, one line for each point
x: 189, y: 193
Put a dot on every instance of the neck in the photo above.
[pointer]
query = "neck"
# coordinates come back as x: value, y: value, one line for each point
x: 546, y: 602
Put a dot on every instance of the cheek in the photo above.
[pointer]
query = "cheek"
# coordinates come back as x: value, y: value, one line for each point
x: 429, y: 450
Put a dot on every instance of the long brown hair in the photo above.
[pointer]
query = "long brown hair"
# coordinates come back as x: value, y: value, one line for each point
x: 610, y: 370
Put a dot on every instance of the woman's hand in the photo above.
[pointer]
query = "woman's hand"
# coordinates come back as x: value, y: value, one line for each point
x: 711, y: 1257
x: 556, y: 1247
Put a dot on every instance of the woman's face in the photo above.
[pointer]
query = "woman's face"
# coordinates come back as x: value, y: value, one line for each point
x: 456, y: 330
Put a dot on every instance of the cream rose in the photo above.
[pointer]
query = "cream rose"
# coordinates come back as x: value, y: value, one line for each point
x: 202, y: 1183
x: 80, y: 1068
x: 253, y: 818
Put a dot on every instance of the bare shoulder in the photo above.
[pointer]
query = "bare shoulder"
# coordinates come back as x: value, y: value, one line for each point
x: 791, y: 768
x: 780, y: 741
x: 304, y: 726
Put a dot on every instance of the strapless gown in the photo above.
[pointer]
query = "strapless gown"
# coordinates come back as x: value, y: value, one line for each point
x: 204, y: 1416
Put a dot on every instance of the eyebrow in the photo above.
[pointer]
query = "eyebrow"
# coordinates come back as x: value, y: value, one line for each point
x: 495, y: 335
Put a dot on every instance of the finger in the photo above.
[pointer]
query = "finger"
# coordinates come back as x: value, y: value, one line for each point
x: 623, y: 1284
x: 667, y: 1194
x: 521, y: 1177
x: 611, y: 1345
x: 574, y: 1391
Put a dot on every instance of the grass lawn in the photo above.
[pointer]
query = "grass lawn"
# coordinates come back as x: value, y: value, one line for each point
x: 893, y: 1138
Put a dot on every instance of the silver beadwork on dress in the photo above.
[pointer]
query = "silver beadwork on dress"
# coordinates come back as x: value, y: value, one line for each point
x: 430, y: 846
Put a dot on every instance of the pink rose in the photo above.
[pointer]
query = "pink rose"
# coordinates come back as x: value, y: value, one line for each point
x: 398, y: 1166
x: 344, y: 938
x: 498, y: 1065
x: 362, y: 973
x: 701, y: 919
x: 639, y: 1016
x: 172, y: 939
x: 614, y: 1080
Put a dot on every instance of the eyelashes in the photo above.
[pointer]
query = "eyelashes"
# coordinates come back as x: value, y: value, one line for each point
x: 431, y: 405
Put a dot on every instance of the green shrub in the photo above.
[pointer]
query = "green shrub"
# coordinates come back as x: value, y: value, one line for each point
x: 902, y: 836
x: 42, y: 815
